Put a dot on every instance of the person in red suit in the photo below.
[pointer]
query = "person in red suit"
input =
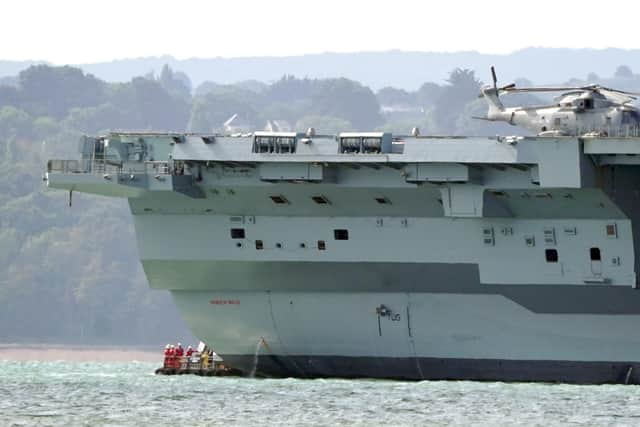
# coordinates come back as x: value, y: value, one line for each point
x: 167, y: 353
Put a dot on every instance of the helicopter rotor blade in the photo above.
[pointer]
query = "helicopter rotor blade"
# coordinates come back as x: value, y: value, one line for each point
x: 624, y: 92
x: 494, y: 77
x: 510, y: 86
x: 543, y: 89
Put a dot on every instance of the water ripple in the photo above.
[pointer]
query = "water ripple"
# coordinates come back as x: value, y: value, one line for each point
x: 65, y: 393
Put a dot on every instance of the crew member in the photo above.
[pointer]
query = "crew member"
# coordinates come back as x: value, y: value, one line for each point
x: 204, y: 357
x: 175, y: 357
x: 189, y: 351
x: 167, y: 350
x: 179, y: 350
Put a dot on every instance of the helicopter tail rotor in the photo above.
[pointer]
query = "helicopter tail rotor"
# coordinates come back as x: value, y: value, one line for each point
x: 495, y: 78
x: 491, y: 94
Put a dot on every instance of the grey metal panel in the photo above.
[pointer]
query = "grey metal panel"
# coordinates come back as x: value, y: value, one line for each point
x: 611, y: 145
x: 559, y: 162
x: 460, y: 200
x: 439, y: 172
x: 290, y: 171
x: 447, y: 150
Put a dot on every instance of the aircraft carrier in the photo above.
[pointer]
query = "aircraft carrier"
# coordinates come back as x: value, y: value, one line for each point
x: 386, y: 256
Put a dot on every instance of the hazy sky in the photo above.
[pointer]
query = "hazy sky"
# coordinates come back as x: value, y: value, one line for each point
x: 70, y: 31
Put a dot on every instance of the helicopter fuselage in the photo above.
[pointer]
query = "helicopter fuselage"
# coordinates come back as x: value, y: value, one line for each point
x: 573, y: 114
x: 564, y: 121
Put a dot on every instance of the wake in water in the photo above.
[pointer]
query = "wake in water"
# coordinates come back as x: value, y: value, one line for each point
x: 256, y: 353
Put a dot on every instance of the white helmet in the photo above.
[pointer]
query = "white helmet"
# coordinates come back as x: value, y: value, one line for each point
x: 167, y: 346
x: 179, y: 344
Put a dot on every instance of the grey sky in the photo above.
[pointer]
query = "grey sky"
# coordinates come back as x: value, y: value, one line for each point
x: 74, y: 31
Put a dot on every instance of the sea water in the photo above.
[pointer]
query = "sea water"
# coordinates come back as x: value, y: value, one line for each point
x: 129, y: 394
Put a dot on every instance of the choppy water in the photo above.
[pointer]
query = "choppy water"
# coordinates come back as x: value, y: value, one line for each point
x: 65, y: 393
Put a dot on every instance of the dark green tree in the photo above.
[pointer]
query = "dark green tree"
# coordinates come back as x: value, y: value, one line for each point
x: 348, y: 100
x: 175, y: 83
x: 392, y: 96
x: 53, y: 91
x: 462, y: 88
x: 209, y: 112
x: 145, y: 104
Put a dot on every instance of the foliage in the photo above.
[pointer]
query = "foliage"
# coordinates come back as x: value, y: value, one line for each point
x: 390, y: 96
x: 324, y: 125
x: 175, y: 83
x: 53, y: 91
x: 347, y: 99
x: 462, y: 88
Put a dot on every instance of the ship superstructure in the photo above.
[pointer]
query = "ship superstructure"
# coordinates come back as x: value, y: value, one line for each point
x: 374, y: 255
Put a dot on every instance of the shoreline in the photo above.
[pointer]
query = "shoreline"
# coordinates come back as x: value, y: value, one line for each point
x: 80, y: 353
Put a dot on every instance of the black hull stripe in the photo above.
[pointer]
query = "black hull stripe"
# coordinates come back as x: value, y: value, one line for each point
x: 438, y: 369
x: 242, y: 276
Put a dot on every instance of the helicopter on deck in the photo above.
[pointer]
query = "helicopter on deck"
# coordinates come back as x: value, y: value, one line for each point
x: 591, y: 110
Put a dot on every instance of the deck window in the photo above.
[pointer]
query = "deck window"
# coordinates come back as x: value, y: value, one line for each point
x: 341, y: 234
x: 279, y: 199
x: 237, y: 233
x: 551, y: 255
x: 321, y: 200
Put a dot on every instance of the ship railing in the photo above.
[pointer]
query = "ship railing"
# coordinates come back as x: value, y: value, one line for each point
x: 157, y: 167
x: 624, y: 131
x: 83, y: 166
x: 88, y: 166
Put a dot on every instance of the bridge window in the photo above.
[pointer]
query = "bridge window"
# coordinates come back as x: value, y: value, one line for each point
x: 321, y: 245
x: 551, y: 255
x: 259, y: 245
x: 594, y: 253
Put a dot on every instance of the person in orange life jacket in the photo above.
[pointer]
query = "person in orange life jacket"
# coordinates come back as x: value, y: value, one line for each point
x: 189, y: 351
x: 179, y: 350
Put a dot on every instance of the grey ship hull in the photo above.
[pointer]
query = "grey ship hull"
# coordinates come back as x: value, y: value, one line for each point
x: 432, y: 258
x: 507, y: 333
